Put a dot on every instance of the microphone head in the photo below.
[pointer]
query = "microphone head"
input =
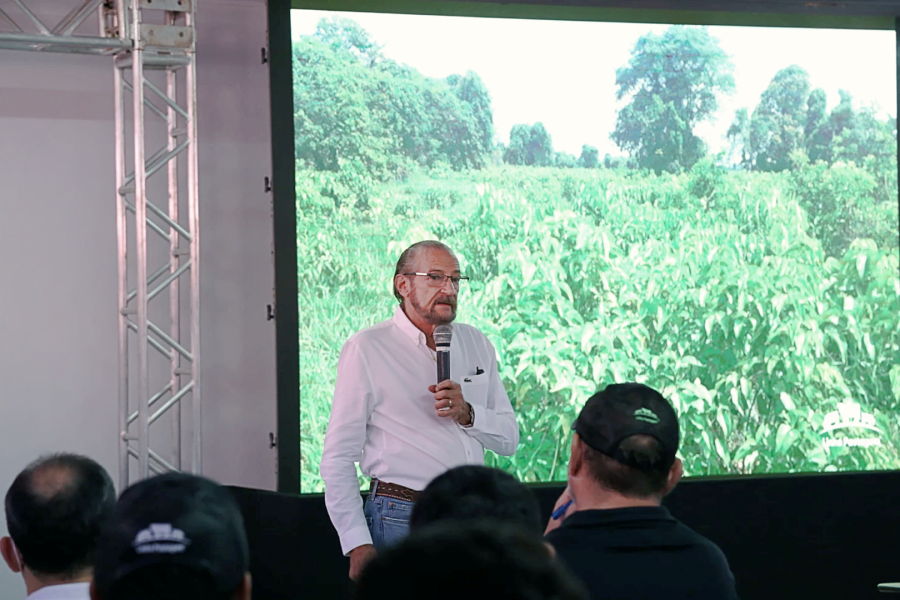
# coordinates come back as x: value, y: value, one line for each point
x: 443, y: 335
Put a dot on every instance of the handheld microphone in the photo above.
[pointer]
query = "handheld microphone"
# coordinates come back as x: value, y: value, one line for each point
x: 442, y: 336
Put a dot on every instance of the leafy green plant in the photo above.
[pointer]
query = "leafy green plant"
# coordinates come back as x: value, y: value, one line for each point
x: 764, y: 305
x: 581, y: 278
x: 843, y: 204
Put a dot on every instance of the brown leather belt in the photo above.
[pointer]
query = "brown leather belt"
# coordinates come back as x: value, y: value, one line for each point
x: 392, y: 490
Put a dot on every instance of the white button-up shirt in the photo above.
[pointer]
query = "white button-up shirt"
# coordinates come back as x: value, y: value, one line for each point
x: 64, y: 591
x: 383, y: 416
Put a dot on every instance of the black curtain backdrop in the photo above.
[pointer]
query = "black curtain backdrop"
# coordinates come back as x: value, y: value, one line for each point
x: 826, y: 537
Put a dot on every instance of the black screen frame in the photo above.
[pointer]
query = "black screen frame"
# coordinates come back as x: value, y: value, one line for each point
x: 864, y: 14
x: 284, y: 217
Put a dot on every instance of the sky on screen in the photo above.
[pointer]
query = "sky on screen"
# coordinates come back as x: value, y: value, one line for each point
x: 563, y: 73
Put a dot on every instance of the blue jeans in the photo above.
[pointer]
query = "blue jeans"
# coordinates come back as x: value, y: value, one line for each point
x: 388, y: 520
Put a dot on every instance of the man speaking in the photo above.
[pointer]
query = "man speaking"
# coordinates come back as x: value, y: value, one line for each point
x: 392, y: 414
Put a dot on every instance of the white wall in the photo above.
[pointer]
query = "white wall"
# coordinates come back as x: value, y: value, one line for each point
x: 58, y: 359
x: 237, y: 276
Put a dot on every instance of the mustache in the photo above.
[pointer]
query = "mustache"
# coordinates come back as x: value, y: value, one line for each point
x: 446, y: 300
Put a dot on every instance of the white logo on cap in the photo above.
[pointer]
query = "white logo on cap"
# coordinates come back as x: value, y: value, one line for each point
x: 646, y: 415
x: 160, y: 538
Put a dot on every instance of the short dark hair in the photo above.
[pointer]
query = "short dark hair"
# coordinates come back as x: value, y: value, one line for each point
x: 491, y: 560
x: 172, y: 582
x: 55, y: 510
x: 474, y: 492
x: 408, y: 257
x: 627, y: 480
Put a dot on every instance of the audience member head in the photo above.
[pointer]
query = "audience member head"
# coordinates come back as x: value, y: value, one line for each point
x: 623, y: 450
x: 55, y: 510
x: 175, y: 536
x: 477, y: 560
x: 474, y: 492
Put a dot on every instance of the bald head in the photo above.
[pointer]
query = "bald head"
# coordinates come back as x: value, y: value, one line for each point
x: 48, y: 481
x: 55, y: 509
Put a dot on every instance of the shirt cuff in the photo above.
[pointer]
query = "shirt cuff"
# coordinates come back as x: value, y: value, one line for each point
x: 356, y: 537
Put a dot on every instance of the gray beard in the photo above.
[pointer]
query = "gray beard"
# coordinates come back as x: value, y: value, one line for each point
x: 431, y: 316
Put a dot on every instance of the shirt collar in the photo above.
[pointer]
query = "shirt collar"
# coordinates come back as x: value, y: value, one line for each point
x: 406, y: 326
x: 614, y: 516
x: 63, y: 591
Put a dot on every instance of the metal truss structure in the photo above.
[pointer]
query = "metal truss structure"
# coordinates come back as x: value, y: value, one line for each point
x: 151, y: 43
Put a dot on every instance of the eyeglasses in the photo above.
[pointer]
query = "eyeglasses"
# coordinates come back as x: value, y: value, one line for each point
x: 437, y: 280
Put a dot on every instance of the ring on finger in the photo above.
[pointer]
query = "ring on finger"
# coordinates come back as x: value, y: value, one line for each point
x: 451, y: 403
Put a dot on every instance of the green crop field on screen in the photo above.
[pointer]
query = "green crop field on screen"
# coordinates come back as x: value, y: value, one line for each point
x: 712, y: 211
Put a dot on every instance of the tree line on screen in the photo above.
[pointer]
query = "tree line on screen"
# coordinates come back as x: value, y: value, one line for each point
x: 369, y: 119
x: 358, y: 110
x: 757, y: 298
x: 354, y: 107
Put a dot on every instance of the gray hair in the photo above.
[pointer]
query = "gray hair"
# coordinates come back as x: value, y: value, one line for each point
x: 409, y: 256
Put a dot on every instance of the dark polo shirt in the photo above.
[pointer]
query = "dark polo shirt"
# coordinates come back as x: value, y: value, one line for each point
x: 641, y: 553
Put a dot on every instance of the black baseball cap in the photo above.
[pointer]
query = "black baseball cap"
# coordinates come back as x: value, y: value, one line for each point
x: 625, y: 409
x: 174, y: 519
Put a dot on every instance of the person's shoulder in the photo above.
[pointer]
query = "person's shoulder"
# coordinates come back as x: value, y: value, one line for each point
x: 704, y: 545
x: 470, y: 332
x: 465, y: 328
x: 710, y: 563
x: 474, y: 340
x: 70, y: 591
x: 565, y: 535
x: 370, y: 334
